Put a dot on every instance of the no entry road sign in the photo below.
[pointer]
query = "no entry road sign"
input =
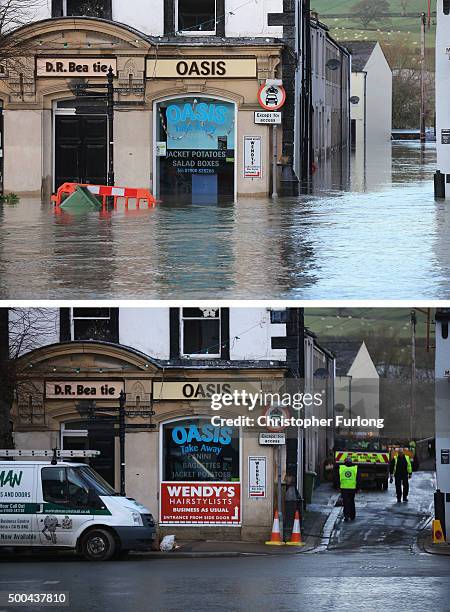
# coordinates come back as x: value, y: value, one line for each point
x: 271, y: 97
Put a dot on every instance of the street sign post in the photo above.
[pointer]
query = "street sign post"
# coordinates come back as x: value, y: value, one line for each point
x: 271, y: 97
x: 116, y: 415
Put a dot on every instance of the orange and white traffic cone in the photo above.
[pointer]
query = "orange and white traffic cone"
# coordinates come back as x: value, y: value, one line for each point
x: 438, y: 534
x: 275, y: 538
x: 296, y: 536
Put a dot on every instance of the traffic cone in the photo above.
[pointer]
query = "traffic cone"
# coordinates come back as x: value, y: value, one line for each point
x: 296, y: 536
x: 438, y: 534
x: 275, y: 538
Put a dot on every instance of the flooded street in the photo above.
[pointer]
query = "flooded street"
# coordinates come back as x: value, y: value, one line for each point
x: 376, y: 234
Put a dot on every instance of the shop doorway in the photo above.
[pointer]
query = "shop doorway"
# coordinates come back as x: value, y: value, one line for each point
x: 89, y: 435
x: 81, y: 149
x: 195, y: 149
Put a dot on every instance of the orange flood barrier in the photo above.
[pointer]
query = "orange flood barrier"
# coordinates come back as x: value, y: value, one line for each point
x: 128, y: 193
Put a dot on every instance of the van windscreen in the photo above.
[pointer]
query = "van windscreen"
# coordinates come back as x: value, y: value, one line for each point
x: 95, y: 481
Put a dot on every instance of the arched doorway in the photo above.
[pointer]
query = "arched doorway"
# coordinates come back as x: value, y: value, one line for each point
x: 80, y: 142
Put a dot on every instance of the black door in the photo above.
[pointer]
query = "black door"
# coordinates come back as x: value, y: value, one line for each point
x: 81, y: 152
x: 102, y: 438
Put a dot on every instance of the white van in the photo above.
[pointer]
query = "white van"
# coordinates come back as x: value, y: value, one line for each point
x: 68, y: 505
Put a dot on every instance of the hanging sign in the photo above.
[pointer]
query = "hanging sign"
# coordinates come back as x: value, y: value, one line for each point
x: 271, y: 97
x: 257, y: 477
x: 252, y: 157
x: 201, y: 503
x: 74, y: 66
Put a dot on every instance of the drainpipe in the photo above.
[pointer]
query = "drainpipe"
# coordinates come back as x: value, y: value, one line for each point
x: 365, y: 130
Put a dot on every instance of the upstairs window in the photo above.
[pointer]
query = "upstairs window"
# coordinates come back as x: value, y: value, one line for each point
x: 196, y: 16
x: 82, y: 8
x: 200, y: 332
x: 95, y: 324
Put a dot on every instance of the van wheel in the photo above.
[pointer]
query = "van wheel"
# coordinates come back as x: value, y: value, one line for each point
x: 98, y: 545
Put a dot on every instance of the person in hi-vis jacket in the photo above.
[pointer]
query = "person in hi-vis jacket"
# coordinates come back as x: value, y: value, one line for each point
x: 401, y: 470
x: 348, y: 476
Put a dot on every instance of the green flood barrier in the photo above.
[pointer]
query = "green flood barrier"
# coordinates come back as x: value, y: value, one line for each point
x: 81, y: 200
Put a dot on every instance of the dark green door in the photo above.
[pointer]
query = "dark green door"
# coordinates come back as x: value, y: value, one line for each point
x: 81, y: 152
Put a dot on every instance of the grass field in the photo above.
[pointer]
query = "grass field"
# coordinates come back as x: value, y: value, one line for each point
x: 386, y: 331
x: 403, y: 29
x: 352, y: 322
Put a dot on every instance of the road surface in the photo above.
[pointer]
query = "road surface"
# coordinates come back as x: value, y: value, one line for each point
x: 372, y: 564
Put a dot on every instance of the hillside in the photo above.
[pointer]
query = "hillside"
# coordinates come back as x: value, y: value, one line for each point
x: 386, y: 331
x: 338, y: 16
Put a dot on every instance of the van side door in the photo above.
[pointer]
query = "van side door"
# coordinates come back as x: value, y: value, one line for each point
x: 17, y: 507
x: 64, y: 509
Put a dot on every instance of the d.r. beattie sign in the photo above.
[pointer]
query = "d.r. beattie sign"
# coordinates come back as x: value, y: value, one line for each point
x: 74, y: 66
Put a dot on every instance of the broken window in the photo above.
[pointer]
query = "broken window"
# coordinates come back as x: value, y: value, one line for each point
x: 200, y: 334
x: 85, y: 8
x: 95, y: 324
x: 196, y: 16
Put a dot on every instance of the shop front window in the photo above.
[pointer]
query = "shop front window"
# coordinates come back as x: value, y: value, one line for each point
x: 194, y: 450
x: 196, y: 16
x: 195, y: 149
x: 200, y: 333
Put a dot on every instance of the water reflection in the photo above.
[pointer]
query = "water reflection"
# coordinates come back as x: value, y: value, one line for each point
x: 371, y: 232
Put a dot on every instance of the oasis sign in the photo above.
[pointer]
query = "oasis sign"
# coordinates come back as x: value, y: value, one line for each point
x: 74, y: 66
x: 199, y: 390
x: 202, y: 68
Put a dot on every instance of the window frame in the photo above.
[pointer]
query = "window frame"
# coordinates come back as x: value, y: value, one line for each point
x: 194, y: 32
x: 73, y: 319
x: 44, y: 469
x: 216, y: 355
x: 106, y: 10
x: 206, y: 418
x: 68, y: 502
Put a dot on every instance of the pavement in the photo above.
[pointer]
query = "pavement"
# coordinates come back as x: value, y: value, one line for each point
x: 314, y: 520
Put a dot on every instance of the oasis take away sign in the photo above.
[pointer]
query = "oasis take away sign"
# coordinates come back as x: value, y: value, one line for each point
x: 201, y: 503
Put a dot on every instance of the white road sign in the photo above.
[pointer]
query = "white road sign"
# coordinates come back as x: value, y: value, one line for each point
x: 268, y: 117
x: 252, y: 157
x: 272, y: 438
x: 257, y: 477
x: 271, y: 97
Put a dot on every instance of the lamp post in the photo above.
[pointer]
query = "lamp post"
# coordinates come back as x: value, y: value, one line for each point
x: 88, y: 410
x: 110, y: 111
x: 122, y: 402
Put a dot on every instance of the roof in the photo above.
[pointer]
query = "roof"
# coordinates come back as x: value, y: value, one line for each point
x: 345, y: 353
x: 361, y: 51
